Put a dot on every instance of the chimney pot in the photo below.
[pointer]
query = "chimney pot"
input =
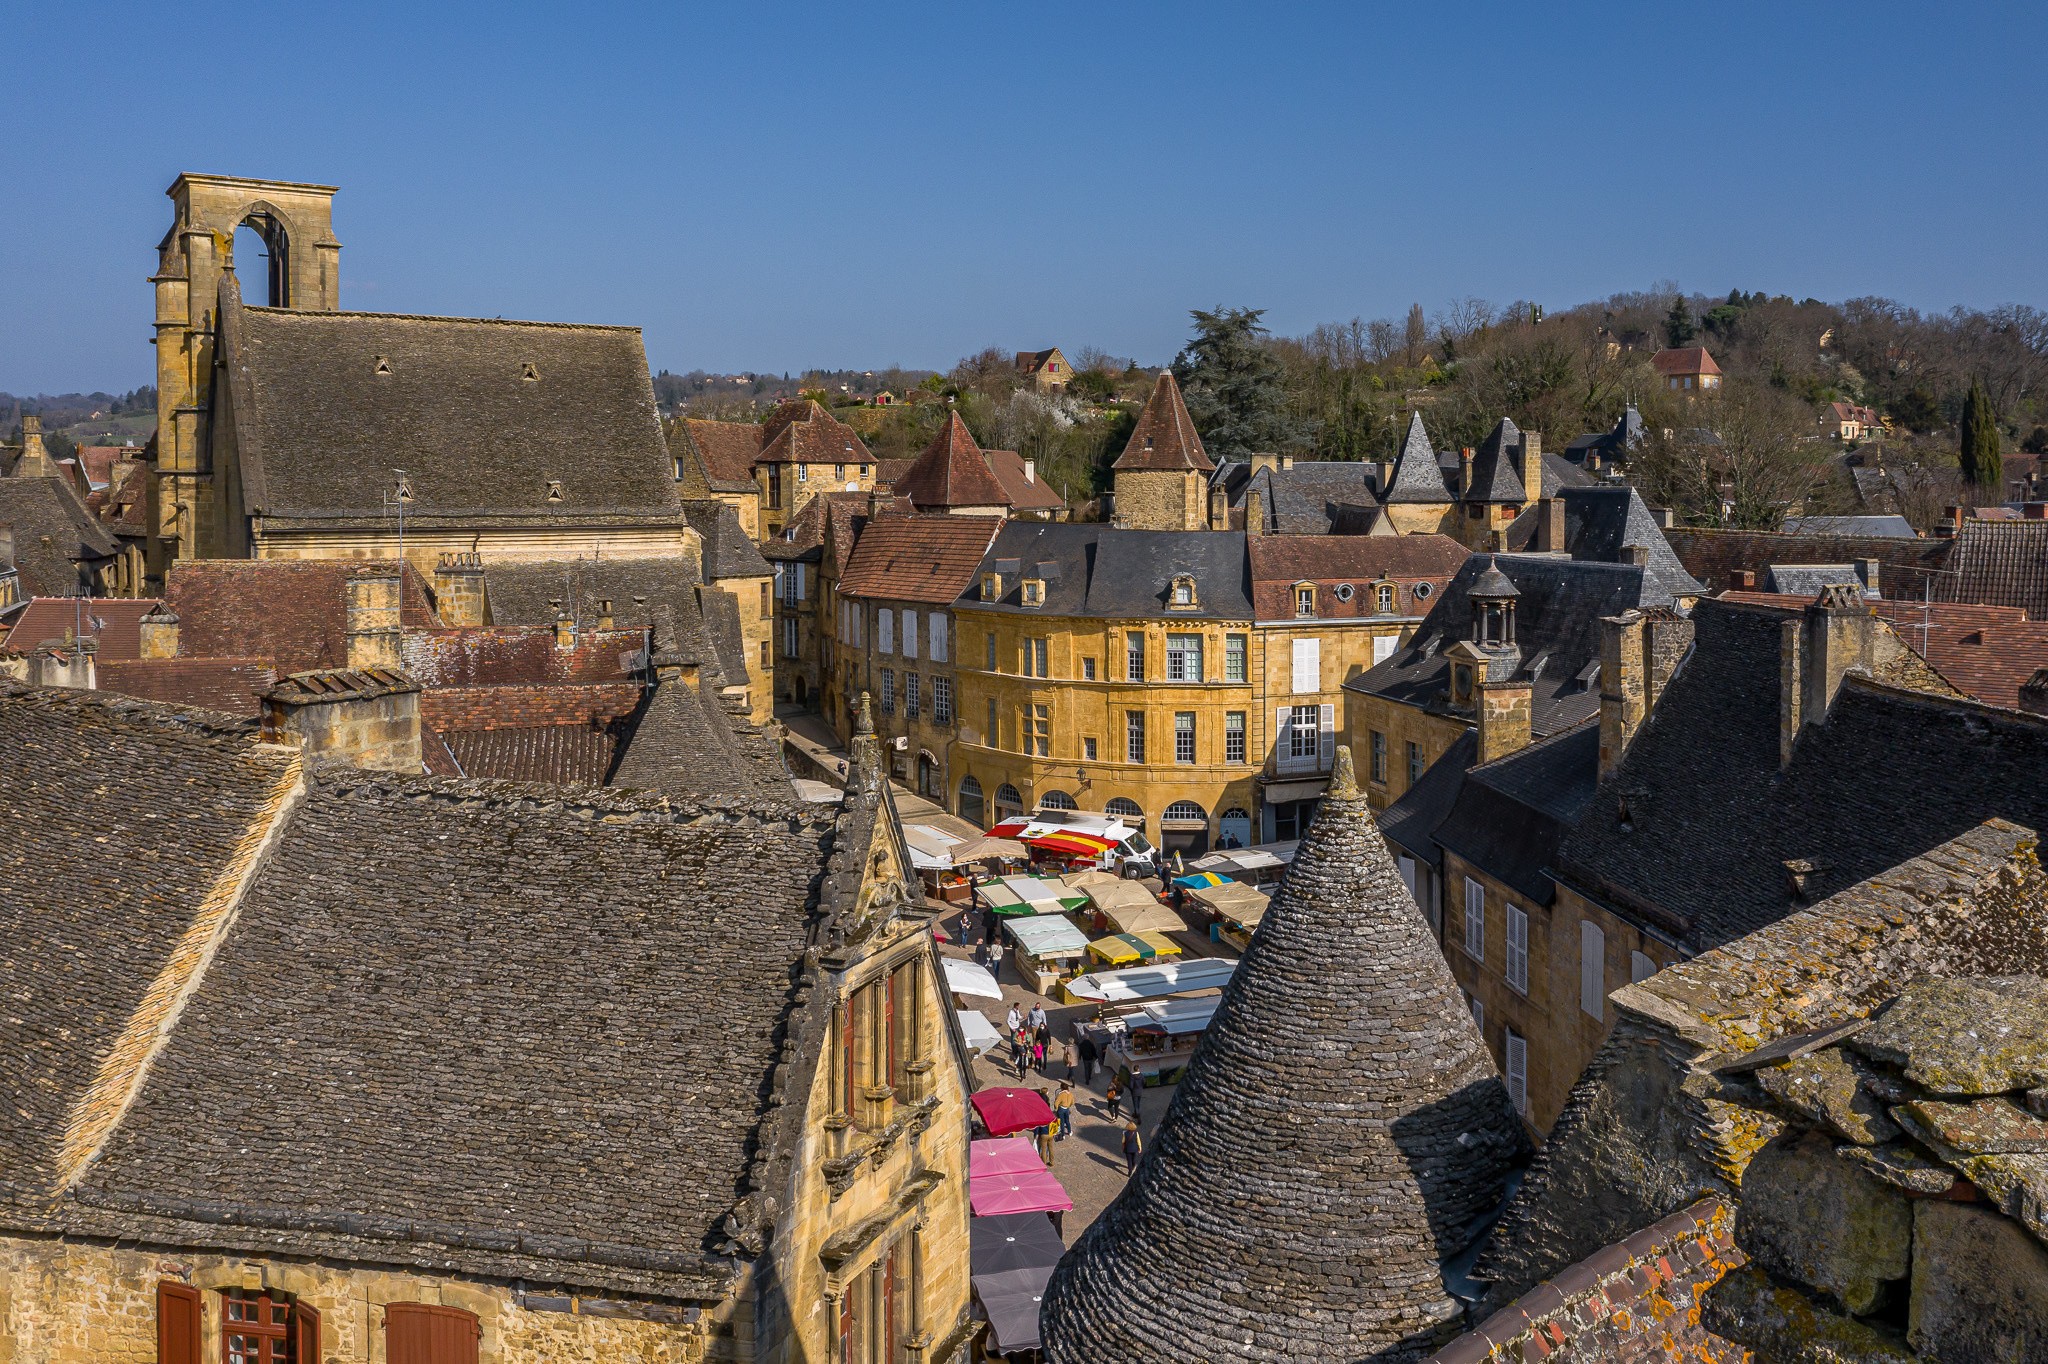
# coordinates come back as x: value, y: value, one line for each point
x: 1867, y: 570
x: 1639, y: 555
x: 1743, y: 580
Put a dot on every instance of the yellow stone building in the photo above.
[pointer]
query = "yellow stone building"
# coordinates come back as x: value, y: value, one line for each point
x: 359, y: 1073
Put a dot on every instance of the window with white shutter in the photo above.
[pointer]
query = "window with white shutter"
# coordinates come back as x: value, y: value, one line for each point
x: 938, y: 632
x: 1308, y: 666
x: 909, y: 633
x: 885, y: 631
x: 1407, y: 865
x: 1383, y: 647
x: 1592, y: 969
x: 1326, y: 751
x: 1517, y: 1048
x: 1478, y: 1007
x: 1640, y: 967
x: 1475, y: 919
x: 1518, y: 949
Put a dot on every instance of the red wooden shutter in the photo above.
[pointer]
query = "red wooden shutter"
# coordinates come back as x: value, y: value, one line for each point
x: 177, y: 1323
x: 305, y: 1334
x: 420, y: 1333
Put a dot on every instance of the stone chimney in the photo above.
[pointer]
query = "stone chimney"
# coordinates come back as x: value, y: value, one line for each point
x: 1264, y: 460
x: 159, y: 633
x: 70, y: 664
x: 1623, y: 686
x: 366, y: 717
x: 2034, y: 695
x: 1552, y: 524
x: 1638, y: 555
x: 565, y: 631
x: 373, y: 633
x: 1286, y: 462
x: 1505, y: 714
x: 1031, y: 471
x: 1743, y: 580
x: 1254, y: 513
x: 1219, y: 508
x: 1667, y: 636
x: 1867, y: 570
x: 459, y: 590
x: 1951, y: 522
x: 35, y: 456
x: 1832, y: 637
x: 1464, y: 471
x: 1529, y: 462
x: 604, y: 613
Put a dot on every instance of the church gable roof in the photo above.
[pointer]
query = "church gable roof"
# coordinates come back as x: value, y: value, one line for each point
x: 1340, y: 1131
x: 951, y: 472
x: 510, y: 421
x: 1164, y: 438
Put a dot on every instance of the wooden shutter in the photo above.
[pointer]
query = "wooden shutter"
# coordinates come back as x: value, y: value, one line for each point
x: 1283, y: 738
x: 305, y: 1334
x: 421, y: 1333
x: 1308, y: 667
x: 177, y: 1323
x: 1326, y: 754
x: 1592, y: 968
x: 1517, y: 1050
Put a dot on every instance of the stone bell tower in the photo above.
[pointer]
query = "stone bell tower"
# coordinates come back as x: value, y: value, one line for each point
x: 296, y: 223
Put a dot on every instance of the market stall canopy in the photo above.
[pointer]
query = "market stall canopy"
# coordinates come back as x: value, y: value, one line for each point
x: 1141, y: 914
x: 1002, y: 899
x: 1001, y: 1156
x: 1200, y: 880
x: 1010, y: 1300
x: 1047, y: 935
x: 980, y: 1034
x: 1006, y: 1111
x: 1120, y: 948
x: 1153, y: 982
x: 970, y: 978
x: 1018, y: 1240
x: 1071, y: 843
x: 930, y: 850
x: 1232, y: 900
x: 1087, y: 881
x: 1176, y: 1016
x: 1048, y: 894
x: 986, y: 849
x: 1017, y: 1191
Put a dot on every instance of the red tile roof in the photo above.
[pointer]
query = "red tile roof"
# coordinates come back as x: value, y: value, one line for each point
x: 729, y: 450
x: 1682, y: 360
x: 922, y: 558
x: 115, y: 622
x: 292, y: 612
x: 1278, y: 562
x: 805, y: 433
x: 1164, y: 437
x: 1985, y: 652
x: 1024, y: 493
x: 233, y: 685
x: 503, y: 655
x: 951, y: 473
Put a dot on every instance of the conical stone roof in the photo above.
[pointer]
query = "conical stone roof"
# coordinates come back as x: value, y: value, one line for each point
x: 1339, y: 1132
x: 952, y: 472
x: 1417, y: 478
x: 1164, y: 437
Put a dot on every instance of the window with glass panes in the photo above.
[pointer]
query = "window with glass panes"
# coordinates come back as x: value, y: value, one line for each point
x: 1415, y: 763
x: 1233, y: 737
x: 1087, y: 670
x: 1134, y: 736
x: 1183, y: 736
x: 1088, y: 749
x: 1379, y: 757
x: 1304, y: 732
x: 1233, y: 658
x: 1134, y: 657
x: 1183, y: 658
x: 1038, y: 735
x: 1304, y: 601
x: 1035, y: 658
x: 992, y: 741
x: 991, y: 651
x: 913, y: 688
x: 942, y: 700
x: 255, y: 1328
x: 888, y: 692
x: 1385, y: 593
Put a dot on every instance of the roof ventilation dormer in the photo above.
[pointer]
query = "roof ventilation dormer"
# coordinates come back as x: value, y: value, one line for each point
x: 380, y: 365
x: 554, y: 490
x: 528, y: 373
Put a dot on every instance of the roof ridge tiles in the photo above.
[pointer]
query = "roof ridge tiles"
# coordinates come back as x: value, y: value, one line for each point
x: 323, y: 313
x: 1339, y: 1133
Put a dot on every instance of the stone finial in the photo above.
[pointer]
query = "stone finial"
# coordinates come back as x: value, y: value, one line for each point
x: 1343, y: 777
x: 864, y: 715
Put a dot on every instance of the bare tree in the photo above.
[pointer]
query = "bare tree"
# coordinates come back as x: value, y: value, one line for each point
x: 1417, y: 336
x: 1750, y: 459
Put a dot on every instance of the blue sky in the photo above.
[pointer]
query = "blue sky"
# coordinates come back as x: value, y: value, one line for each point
x: 779, y: 186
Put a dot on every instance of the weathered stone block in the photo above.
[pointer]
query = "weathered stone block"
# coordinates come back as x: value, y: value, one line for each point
x: 1826, y: 1088
x: 1821, y: 1221
x: 1987, y: 1036
x: 1980, y: 1287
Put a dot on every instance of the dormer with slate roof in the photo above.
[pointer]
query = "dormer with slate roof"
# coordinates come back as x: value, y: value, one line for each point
x: 1339, y: 1134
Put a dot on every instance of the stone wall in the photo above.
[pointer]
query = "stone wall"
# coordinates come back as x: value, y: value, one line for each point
x: 1161, y: 499
x: 1364, y: 715
x: 82, y: 1303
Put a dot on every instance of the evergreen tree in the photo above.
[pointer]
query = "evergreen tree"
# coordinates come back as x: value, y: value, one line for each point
x: 1418, y: 335
x: 1978, y: 451
x: 1231, y: 382
x: 1679, y: 328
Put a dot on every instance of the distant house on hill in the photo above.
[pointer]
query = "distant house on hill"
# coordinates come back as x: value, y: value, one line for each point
x: 1046, y: 368
x: 1687, y: 369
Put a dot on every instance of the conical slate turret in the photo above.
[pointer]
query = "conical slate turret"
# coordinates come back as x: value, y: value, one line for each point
x: 1340, y: 1131
x: 1416, y: 477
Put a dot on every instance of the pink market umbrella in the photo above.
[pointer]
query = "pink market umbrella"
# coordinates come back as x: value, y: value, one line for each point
x: 1004, y: 1111
x: 1021, y: 1191
x: 1002, y: 1156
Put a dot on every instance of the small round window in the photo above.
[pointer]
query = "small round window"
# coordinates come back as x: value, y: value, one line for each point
x: 1343, y: 592
x: 1422, y: 591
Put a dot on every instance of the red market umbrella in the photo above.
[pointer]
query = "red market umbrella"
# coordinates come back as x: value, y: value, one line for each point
x: 1071, y: 844
x: 1022, y: 1191
x: 1001, y: 1156
x: 1004, y: 1111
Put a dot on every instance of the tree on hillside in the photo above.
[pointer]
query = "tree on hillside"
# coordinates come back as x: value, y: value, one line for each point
x: 1759, y: 463
x: 1679, y: 328
x: 1418, y: 335
x: 1978, y: 453
x: 1231, y: 381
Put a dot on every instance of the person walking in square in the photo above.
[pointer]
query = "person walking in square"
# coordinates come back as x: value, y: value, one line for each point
x: 1088, y: 1054
x: 1063, y: 1110
x: 1134, y: 1146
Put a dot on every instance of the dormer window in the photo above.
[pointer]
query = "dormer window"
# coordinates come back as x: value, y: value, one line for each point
x: 991, y: 587
x: 1034, y: 591
x: 380, y: 365
x: 528, y: 374
x: 1383, y: 598
x: 1304, y: 599
x: 1182, y: 594
x: 1461, y: 684
x: 554, y: 490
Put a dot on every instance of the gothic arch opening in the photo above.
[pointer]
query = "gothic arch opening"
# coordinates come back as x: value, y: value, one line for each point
x: 261, y: 241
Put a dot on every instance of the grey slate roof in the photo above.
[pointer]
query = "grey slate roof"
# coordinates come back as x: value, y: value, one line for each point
x: 728, y: 552
x: 1411, y: 822
x: 685, y: 740
x: 525, y: 592
x: 1097, y: 570
x: 1340, y: 1131
x: 1312, y: 496
x: 1807, y: 580
x: 1510, y: 815
x: 1999, y: 563
x: 321, y: 425
x: 1417, y: 477
x: 56, y: 540
x: 1600, y: 523
x: 1614, y: 443
x: 1711, y: 819
x: 1557, y: 624
x: 1892, y: 526
x: 407, y: 1048
x: 1494, y: 476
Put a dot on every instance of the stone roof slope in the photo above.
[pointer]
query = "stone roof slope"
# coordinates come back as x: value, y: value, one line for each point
x: 1340, y: 1131
x: 57, y: 542
x: 1417, y: 477
x: 518, y: 422
x: 1091, y: 569
x: 2003, y: 563
x: 951, y: 472
x: 293, y: 612
x: 1494, y: 475
x: 727, y: 451
x: 930, y: 557
x: 1164, y: 438
x: 687, y: 741
x: 1601, y: 524
x: 728, y: 550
